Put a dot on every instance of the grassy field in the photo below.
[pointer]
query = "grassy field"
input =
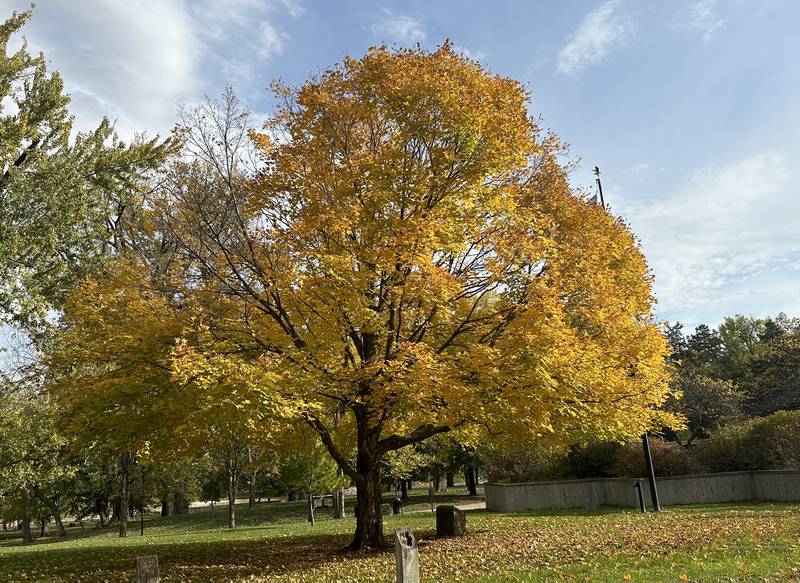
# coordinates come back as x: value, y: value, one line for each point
x: 274, y: 543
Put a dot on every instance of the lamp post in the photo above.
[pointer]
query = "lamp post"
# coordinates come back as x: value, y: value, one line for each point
x: 141, y: 510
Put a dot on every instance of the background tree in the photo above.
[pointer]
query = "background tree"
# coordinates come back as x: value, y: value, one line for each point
x: 32, y: 463
x: 776, y: 383
x: 706, y: 403
x: 65, y: 197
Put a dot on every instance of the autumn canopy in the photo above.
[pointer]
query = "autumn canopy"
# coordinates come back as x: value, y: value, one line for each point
x: 395, y: 255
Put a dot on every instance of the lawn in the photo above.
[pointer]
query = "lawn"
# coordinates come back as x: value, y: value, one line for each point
x: 274, y: 543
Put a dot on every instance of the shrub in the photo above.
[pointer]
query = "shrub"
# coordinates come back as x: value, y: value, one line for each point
x: 766, y: 443
x: 669, y: 459
x: 531, y: 465
x: 595, y: 460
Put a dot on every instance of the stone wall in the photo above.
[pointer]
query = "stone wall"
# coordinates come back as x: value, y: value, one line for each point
x: 672, y: 490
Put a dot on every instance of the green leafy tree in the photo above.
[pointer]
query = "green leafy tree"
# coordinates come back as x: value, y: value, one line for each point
x: 65, y: 197
x: 707, y: 403
x: 703, y: 350
x: 776, y: 383
x: 31, y: 457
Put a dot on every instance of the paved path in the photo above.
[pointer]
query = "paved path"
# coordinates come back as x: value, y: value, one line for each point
x: 467, y: 506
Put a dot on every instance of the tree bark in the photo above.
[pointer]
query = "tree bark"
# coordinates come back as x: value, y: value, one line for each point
x: 437, y: 479
x: 27, y: 536
x: 404, y: 489
x: 469, y: 475
x: 230, y: 468
x: 338, y: 504
x: 291, y: 496
x: 311, y: 509
x: 124, y: 492
x: 251, y: 500
x: 166, y: 505
x: 180, y: 504
x: 369, y: 520
x: 451, y: 480
x: 102, y: 513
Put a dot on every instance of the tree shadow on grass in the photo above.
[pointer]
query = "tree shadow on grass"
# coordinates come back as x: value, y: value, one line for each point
x: 189, y: 560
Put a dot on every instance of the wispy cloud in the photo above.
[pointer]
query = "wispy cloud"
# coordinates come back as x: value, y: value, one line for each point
x: 715, y: 242
x: 468, y: 53
x: 119, y: 59
x: 134, y: 61
x: 398, y: 28
x: 703, y: 19
x: 599, y: 32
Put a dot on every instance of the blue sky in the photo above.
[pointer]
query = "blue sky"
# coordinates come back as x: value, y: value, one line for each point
x: 690, y: 107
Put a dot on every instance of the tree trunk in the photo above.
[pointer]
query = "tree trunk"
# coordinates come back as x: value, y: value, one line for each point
x: 338, y: 504
x: 451, y: 480
x: 404, y: 489
x: 27, y: 536
x: 311, y: 509
x: 50, y: 504
x: 369, y: 521
x: 102, y: 513
x: 437, y: 480
x: 231, y: 470
x: 290, y: 496
x: 180, y: 503
x: 251, y: 500
x: 166, y: 505
x: 469, y: 476
x: 124, y: 492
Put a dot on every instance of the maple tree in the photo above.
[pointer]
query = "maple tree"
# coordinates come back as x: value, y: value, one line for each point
x: 400, y: 255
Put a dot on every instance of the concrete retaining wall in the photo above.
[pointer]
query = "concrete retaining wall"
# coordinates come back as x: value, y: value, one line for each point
x: 693, y: 489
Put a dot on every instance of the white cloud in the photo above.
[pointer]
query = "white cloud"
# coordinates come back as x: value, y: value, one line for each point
x: 601, y: 30
x: 703, y: 19
x: 134, y: 60
x: 398, y: 28
x: 119, y: 58
x: 724, y: 241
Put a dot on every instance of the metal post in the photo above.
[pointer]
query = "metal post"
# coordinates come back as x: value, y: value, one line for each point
x: 651, y: 475
x: 141, y: 512
x: 638, y: 486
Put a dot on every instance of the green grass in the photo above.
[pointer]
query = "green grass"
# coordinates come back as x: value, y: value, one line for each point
x: 275, y: 543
